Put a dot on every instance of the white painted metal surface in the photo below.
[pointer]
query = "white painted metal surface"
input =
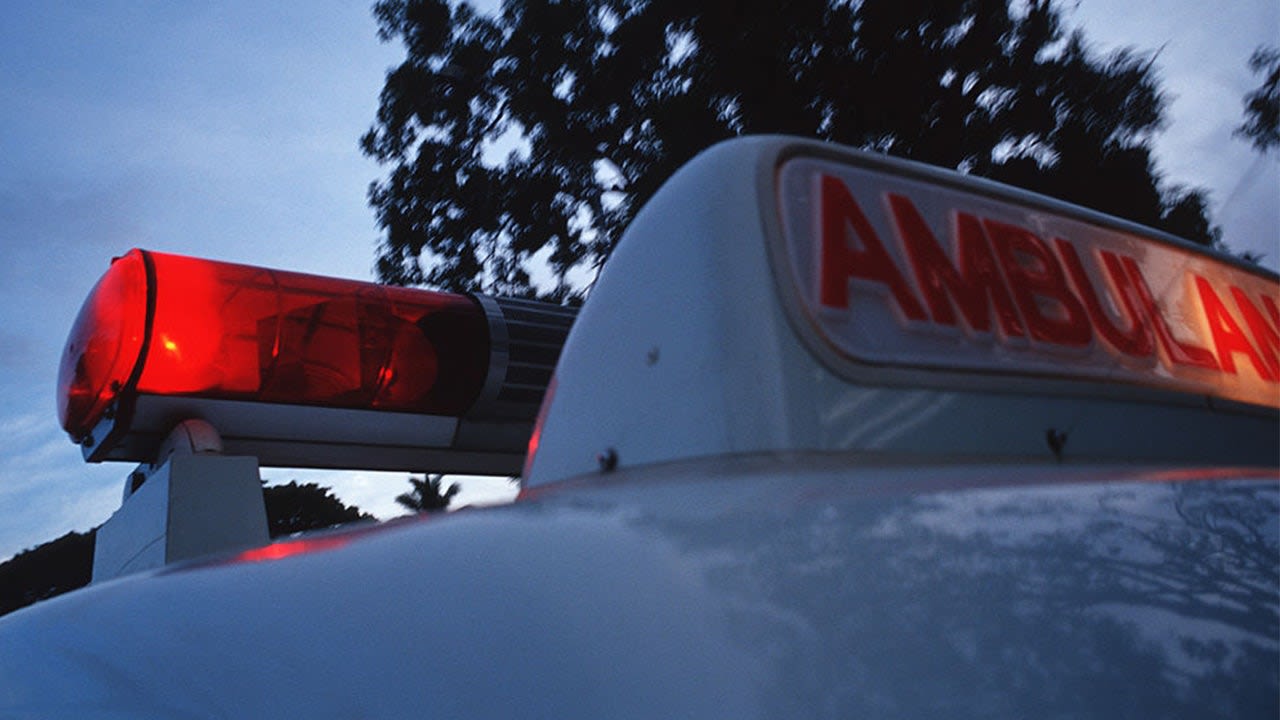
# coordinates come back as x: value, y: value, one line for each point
x: 693, y: 345
x: 725, y: 517
x: 763, y: 587
x: 191, y: 506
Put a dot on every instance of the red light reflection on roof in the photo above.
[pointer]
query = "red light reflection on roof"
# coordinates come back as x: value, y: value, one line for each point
x: 289, y: 548
x: 535, y: 437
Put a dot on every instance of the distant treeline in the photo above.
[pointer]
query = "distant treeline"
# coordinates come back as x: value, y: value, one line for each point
x: 65, y: 564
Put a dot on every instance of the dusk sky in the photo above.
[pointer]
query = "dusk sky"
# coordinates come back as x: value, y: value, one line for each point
x: 230, y: 130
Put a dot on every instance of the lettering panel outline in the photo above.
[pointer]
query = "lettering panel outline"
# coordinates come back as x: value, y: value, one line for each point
x: 896, y: 271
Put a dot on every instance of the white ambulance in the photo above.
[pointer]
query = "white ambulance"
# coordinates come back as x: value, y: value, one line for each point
x: 835, y: 436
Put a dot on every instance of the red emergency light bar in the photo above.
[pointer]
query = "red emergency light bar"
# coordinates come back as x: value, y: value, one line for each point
x: 302, y: 370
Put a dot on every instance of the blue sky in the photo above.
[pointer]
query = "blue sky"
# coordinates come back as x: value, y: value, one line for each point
x: 229, y: 130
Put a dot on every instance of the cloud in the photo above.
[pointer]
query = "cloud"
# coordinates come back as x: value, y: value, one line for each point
x: 16, y: 351
x: 45, y: 486
x: 1201, y: 52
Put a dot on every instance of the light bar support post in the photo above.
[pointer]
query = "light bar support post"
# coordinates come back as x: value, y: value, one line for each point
x: 192, y: 504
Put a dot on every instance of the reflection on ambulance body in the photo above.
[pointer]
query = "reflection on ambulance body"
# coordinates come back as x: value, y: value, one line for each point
x: 835, y: 436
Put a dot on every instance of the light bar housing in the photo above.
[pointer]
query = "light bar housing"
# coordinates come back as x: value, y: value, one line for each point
x: 305, y: 371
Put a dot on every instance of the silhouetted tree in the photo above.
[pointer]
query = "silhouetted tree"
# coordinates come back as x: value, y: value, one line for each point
x: 294, y: 508
x: 1262, y: 106
x: 426, y: 495
x: 65, y: 564
x: 50, y: 569
x: 597, y: 102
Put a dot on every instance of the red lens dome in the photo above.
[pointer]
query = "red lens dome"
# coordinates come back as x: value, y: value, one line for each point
x: 235, y: 332
x: 104, y: 346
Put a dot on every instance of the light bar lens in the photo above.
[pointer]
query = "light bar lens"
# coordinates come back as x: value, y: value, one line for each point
x: 235, y: 332
x: 104, y: 346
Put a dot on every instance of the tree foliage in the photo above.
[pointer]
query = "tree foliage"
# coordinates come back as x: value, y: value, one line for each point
x: 65, y: 564
x: 298, y: 507
x: 427, y: 494
x: 1262, y: 105
x: 596, y: 102
x: 51, y: 569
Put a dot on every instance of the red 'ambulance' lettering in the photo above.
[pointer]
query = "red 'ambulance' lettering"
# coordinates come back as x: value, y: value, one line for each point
x: 1271, y: 308
x: 1228, y: 337
x: 1179, y: 353
x: 1044, y: 281
x: 1264, y: 334
x: 972, y: 289
x: 840, y: 262
x: 1136, y: 341
x: 992, y: 269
